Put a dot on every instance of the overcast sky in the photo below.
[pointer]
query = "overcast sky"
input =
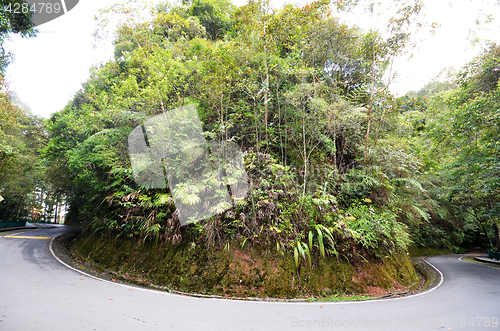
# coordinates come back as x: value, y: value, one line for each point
x: 50, y: 68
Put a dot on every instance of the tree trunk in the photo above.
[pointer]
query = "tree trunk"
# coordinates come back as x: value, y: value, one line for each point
x: 266, y: 89
x: 305, y: 156
x: 497, y: 236
x: 57, y: 207
x: 370, y: 107
x: 335, y: 151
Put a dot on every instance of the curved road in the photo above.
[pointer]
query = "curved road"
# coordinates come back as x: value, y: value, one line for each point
x: 39, y: 293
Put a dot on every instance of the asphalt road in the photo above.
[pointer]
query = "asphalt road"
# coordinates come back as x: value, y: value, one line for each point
x: 39, y: 293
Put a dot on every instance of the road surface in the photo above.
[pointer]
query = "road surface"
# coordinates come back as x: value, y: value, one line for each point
x: 39, y: 293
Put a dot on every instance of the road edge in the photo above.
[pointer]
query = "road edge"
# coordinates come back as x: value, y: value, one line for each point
x: 486, y: 264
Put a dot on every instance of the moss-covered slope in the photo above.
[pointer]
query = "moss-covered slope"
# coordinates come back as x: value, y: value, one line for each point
x: 252, y: 271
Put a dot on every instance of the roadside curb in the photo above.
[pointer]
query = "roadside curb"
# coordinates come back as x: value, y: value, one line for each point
x: 486, y: 259
x: 18, y: 228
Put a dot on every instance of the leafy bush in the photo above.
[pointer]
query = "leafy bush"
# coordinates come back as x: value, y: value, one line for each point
x: 378, y: 230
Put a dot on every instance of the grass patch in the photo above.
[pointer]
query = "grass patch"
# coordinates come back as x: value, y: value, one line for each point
x: 337, y: 297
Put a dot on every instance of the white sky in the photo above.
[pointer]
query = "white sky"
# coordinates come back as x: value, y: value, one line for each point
x: 51, y: 67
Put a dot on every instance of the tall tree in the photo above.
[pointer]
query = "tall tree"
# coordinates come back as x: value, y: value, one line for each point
x: 12, y: 21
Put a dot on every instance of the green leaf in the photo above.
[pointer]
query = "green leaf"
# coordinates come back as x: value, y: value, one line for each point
x: 310, y: 241
x: 308, y: 254
x: 321, y: 245
x: 296, y: 257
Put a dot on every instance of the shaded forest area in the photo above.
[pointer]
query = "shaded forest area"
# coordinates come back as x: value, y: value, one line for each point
x: 338, y: 166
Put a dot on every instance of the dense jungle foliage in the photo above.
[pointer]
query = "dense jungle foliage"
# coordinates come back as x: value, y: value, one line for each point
x: 337, y: 165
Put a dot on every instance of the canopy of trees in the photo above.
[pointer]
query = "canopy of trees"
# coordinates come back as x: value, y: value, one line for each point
x: 22, y: 136
x: 334, y: 160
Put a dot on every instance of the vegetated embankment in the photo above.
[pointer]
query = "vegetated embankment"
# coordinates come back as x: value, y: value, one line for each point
x: 251, y: 271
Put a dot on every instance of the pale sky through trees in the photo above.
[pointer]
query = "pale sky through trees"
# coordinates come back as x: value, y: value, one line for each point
x: 50, y: 68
